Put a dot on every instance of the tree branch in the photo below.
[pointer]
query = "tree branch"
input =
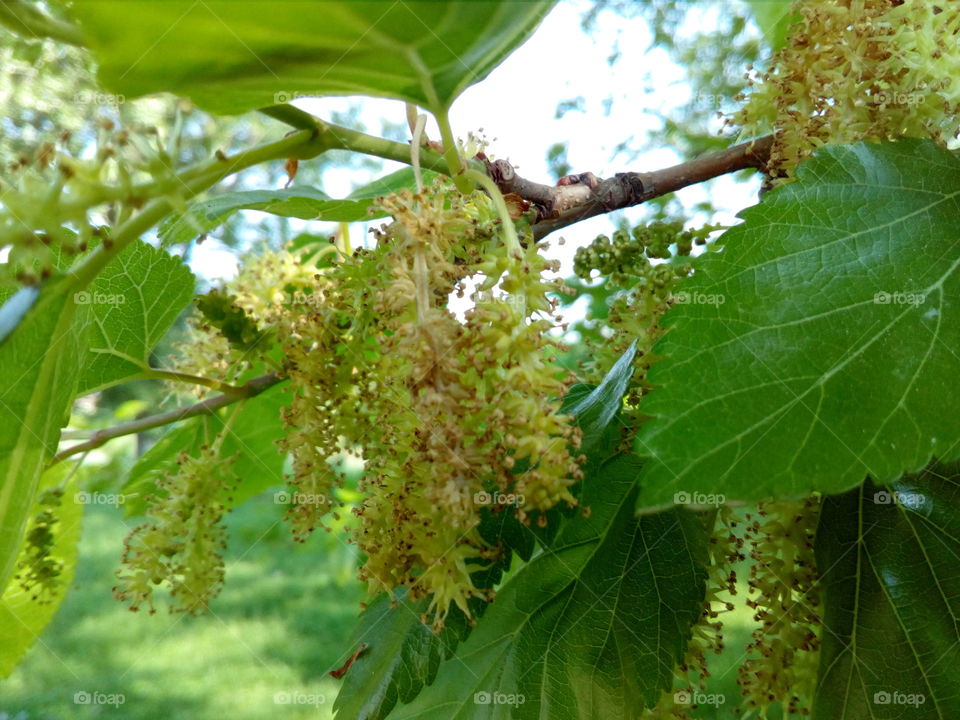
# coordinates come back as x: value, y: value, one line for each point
x: 206, y: 407
x: 578, y: 197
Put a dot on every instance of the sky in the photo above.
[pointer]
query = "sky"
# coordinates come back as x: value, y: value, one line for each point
x: 515, y: 107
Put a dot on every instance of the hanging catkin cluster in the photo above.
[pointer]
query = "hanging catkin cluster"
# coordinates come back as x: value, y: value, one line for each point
x: 446, y: 412
x: 857, y: 70
x: 781, y: 666
x: 180, y: 545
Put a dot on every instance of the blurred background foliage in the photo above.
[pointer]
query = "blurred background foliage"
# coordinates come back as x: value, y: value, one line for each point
x: 287, y: 610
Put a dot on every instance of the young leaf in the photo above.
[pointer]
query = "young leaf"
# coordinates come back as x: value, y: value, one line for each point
x: 591, y: 628
x: 596, y: 408
x: 301, y: 202
x: 403, y: 656
x: 22, y: 618
x: 820, y: 346
x: 133, y: 302
x: 229, y: 57
x: 39, y: 367
x: 888, y: 559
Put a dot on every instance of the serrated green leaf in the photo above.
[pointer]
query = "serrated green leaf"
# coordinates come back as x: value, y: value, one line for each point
x: 591, y: 628
x: 133, y: 302
x: 889, y: 559
x: 253, y: 429
x: 39, y: 368
x: 403, y: 655
x: 306, y: 203
x: 229, y: 57
x: 821, y: 345
x: 22, y: 619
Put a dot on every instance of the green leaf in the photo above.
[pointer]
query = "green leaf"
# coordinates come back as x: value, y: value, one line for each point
x: 596, y: 408
x: 133, y: 302
x: 889, y: 560
x: 821, y: 345
x: 403, y: 656
x: 306, y: 203
x: 229, y: 57
x: 252, y: 431
x: 591, y: 628
x: 774, y: 20
x: 39, y: 367
x: 22, y: 619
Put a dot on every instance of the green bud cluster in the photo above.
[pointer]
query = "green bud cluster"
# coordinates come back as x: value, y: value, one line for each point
x: 233, y: 326
x: 223, y: 312
x: 857, y: 71
x: 181, y: 544
x: 640, y: 270
x: 38, y: 571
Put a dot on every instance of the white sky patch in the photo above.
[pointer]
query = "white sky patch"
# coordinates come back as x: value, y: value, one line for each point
x: 218, y: 262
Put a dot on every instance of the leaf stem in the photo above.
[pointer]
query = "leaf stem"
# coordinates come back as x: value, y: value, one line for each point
x: 207, y: 407
x: 193, y: 181
x: 158, y: 374
x: 455, y: 163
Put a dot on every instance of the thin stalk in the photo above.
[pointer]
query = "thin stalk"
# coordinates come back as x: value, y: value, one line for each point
x: 455, y: 163
x: 509, y: 230
x: 207, y: 407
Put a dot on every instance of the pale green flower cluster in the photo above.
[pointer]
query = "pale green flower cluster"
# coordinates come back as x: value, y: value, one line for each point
x: 858, y: 70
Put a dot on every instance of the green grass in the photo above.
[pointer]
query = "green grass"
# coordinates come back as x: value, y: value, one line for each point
x: 279, y: 626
